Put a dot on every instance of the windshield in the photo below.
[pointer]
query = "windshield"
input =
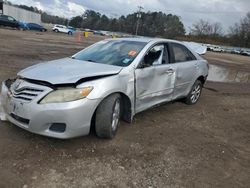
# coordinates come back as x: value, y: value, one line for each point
x: 114, y: 52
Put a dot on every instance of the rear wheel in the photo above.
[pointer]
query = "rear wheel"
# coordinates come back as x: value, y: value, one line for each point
x: 108, y: 116
x: 56, y: 30
x: 69, y: 33
x: 194, y: 94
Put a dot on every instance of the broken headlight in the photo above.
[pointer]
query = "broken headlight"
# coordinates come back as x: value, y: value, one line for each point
x: 66, y: 95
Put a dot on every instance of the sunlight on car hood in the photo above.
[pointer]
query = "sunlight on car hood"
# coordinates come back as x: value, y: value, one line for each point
x: 67, y: 71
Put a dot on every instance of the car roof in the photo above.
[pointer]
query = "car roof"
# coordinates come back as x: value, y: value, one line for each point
x: 145, y: 39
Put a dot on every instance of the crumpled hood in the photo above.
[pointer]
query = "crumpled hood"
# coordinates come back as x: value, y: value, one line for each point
x: 67, y: 71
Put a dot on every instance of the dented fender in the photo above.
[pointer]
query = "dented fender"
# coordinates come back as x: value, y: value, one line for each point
x: 124, y: 83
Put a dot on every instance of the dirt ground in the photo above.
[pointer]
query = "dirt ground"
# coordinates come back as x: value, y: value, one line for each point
x: 238, y: 62
x: 174, y: 145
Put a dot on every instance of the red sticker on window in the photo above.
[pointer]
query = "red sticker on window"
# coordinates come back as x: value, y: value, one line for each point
x: 132, y: 53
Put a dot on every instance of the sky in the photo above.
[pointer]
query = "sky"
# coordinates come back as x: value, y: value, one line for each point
x: 227, y: 12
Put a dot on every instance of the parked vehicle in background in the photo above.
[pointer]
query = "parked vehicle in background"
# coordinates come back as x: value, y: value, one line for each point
x: 111, y: 80
x: 217, y: 49
x: 72, y: 28
x: 62, y: 29
x: 98, y: 33
x: 245, y: 53
x: 235, y: 51
x: 23, y: 25
x: 36, y: 27
x: 8, y: 21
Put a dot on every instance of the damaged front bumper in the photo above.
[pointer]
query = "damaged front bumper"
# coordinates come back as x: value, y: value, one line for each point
x: 61, y: 120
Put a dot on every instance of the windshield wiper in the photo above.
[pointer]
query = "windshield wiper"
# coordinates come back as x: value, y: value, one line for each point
x: 90, y: 60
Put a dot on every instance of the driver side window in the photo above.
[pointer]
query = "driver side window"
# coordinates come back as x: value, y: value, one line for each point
x: 156, y: 56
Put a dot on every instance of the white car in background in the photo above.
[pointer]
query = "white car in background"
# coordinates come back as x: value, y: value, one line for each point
x: 62, y: 29
x: 217, y: 49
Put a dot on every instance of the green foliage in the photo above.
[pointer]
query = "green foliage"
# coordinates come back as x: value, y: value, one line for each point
x: 151, y: 23
x: 46, y: 18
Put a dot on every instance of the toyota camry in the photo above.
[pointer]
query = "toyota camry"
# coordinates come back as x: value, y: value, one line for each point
x: 111, y: 80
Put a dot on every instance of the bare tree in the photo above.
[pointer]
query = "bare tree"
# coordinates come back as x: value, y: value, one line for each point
x: 200, y: 28
x: 217, y: 29
x: 240, y: 32
x: 205, y: 28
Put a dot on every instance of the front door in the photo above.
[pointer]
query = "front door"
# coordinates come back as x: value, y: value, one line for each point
x: 155, y: 78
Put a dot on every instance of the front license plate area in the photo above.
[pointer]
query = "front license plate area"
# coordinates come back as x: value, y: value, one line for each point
x: 15, y: 107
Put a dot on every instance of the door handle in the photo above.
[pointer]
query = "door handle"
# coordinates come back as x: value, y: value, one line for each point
x: 169, y: 71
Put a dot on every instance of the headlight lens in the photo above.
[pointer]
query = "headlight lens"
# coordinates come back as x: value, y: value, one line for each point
x: 66, y: 95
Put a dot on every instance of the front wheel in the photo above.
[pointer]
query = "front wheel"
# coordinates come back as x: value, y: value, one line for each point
x: 194, y: 94
x: 108, y: 116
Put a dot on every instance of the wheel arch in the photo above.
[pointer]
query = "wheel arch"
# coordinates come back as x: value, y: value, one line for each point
x: 126, y: 108
x: 202, y: 79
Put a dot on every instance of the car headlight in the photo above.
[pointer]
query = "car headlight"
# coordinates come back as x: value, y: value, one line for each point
x: 66, y: 95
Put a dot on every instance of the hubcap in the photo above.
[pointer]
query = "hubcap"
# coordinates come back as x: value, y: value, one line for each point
x: 195, y: 93
x: 116, y: 115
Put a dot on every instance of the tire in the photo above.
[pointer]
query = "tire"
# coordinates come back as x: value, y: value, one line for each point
x: 194, y: 94
x: 69, y: 33
x: 108, y: 116
x: 56, y: 30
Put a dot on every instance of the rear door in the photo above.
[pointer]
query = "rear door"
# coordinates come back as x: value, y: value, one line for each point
x: 186, y: 69
x: 65, y: 29
x: 37, y: 27
x: 155, y: 78
x: 31, y: 26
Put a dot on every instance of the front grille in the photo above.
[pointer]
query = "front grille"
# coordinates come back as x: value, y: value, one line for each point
x: 26, y: 94
x: 24, y: 91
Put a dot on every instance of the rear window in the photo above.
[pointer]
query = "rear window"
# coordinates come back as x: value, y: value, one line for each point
x: 181, y: 53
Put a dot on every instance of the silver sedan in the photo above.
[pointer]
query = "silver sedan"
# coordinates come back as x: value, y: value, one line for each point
x: 111, y: 80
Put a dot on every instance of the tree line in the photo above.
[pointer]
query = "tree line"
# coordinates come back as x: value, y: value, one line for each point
x: 237, y: 35
x: 157, y: 24
x: 150, y: 23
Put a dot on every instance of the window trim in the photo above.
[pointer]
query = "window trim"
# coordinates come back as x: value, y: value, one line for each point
x: 166, y: 49
x: 172, y: 44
